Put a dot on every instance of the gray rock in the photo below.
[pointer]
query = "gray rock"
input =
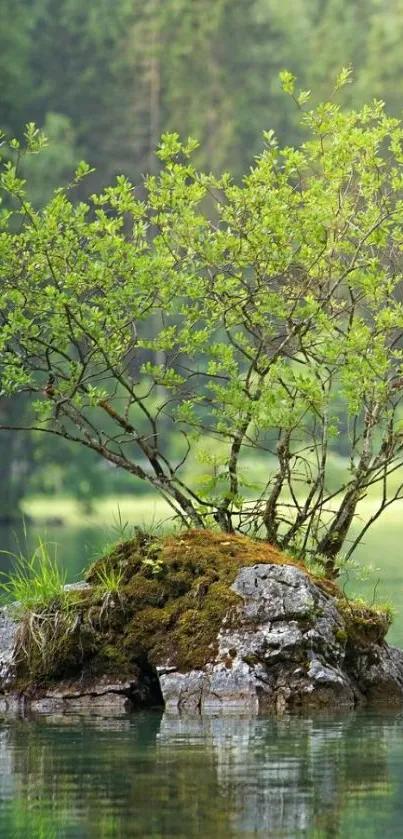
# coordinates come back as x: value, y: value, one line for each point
x: 378, y: 673
x: 8, y: 633
x: 82, y: 585
x: 111, y: 694
x: 102, y: 694
x: 184, y: 691
x: 284, y: 648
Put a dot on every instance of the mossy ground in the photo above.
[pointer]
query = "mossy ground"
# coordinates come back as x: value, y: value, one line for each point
x: 173, y: 594
x: 364, y: 624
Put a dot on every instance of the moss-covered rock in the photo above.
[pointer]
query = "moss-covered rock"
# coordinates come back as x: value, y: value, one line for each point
x: 364, y: 625
x: 173, y: 596
x: 150, y: 599
x: 203, y: 617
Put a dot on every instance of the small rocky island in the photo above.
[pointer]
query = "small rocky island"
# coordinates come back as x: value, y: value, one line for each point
x: 198, y: 622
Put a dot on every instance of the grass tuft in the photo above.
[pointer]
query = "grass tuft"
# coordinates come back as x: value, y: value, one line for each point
x: 108, y: 580
x: 35, y: 580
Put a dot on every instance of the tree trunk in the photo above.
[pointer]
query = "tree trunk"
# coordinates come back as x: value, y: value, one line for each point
x: 331, y: 545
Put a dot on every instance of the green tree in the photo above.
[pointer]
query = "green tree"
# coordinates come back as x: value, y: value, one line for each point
x: 267, y: 320
x: 380, y: 67
x: 75, y: 60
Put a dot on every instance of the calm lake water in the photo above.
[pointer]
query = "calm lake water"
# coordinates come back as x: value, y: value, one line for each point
x: 153, y: 776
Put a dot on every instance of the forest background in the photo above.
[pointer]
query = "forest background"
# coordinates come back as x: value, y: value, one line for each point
x: 105, y: 79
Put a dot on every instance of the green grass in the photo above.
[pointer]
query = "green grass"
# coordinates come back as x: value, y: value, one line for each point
x: 108, y: 580
x: 35, y: 579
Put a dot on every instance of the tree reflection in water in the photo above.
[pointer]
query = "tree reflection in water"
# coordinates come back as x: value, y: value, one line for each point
x: 153, y: 775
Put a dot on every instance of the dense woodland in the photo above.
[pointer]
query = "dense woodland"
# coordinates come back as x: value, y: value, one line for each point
x: 104, y: 80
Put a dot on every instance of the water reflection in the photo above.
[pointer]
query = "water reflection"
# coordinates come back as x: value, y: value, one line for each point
x: 295, y: 776
x: 159, y: 776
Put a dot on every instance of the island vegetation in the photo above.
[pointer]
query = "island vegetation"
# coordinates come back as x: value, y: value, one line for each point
x: 260, y: 315
x: 256, y: 316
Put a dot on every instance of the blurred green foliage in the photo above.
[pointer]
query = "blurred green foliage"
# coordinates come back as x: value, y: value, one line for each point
x: 107, y: 79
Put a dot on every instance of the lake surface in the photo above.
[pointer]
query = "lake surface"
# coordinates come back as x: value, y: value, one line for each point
x: 152, y: 775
